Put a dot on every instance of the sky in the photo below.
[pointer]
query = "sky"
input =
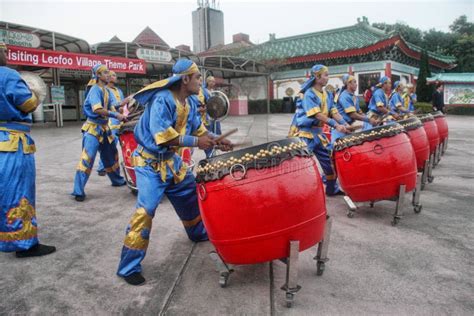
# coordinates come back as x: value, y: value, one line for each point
x: 98, y: 21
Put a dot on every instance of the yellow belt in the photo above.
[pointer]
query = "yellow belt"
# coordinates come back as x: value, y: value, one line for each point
x: 160, y: 166
x: 12, y: 144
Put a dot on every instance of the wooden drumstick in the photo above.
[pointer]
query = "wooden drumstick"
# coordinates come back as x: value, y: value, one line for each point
x: 226, y: 134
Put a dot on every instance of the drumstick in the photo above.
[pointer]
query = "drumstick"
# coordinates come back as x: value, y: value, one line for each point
x: 226, y: 134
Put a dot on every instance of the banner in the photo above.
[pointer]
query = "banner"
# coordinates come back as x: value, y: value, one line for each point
x: 18, y: 38
x: 153, y: 55
x: 55, y: 59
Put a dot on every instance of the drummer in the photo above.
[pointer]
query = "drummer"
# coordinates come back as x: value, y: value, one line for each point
x: 96, y: 134
x: 396, y: 99
x: 18, y: 223
x: 409, y: 97
x: 170, y: 120
x: 379, y: 105
x: 114, y: 123
x: 309, y: 118
x: 348, y: 103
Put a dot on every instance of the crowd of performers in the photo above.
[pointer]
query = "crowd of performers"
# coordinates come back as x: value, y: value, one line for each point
x: 174, y: 117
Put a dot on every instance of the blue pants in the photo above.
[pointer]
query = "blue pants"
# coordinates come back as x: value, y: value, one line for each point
x: 214, y: 127
x: 108, y: 154
x: 18, y: 227
x: 321, y: 148
x: 150, y: 192
x: 101, y: 167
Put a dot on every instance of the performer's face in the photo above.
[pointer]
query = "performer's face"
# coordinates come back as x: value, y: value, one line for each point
x: 192, y: 83
x: 323, y: 78
x: 104, y: 76
x: 3, y: 57
x: 211, y: 83
x: 387, y: 86
x: 352, y: 85
x: 113, y: 78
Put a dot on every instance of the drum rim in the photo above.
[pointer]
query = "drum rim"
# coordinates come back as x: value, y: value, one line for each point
x: 265, y: 155
x: 411, y: 123
x: 372, y: 134
x: 425, y: 117
x: 437, y: 114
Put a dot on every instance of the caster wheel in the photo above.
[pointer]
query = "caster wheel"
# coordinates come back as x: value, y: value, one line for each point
x: 395, y: 221
x: 430, y: 179
x: 418, y: 208
x: 289, y: 299
x: 320, y: 266
x: 223, y: 280
x: 350, y: 214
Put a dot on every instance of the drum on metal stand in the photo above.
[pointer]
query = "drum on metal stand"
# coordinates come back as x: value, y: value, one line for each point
x: 377, y: 164
x: 263, y: 203
x: 128, y: 144
x: 419, y: 140
x: 443, y: 132
x: 431, y: 130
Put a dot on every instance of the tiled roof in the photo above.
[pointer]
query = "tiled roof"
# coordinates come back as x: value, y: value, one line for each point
x: 460, y: 77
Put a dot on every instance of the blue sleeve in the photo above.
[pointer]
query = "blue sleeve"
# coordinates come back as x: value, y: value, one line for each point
x: 161, y: 120
x: 18, y: 93
x: 94, y: 98
x: 379, y: 98
x: 347, y: 103
x: 311, y: 104
x: 113, y: 102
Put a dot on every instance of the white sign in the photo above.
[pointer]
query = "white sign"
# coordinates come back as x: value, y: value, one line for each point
x: 153, y: 55
x: 19, y: 38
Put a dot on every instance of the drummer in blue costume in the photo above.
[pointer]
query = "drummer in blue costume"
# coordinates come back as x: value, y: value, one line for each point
x: 170, y: 121
x: 96, y: 134
x: 379, y: 105
x: 409, y: 98
x: 396, y: 99
x: 348, y: 105
x: 311, y: 113
x: 114, y: 123
x: 18, y: 225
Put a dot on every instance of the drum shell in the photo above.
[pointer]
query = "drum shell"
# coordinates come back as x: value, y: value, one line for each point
x: 442, y: 125
x: 128, y: 145
x: 431, y: 130
x: 253, y: 219
x: 421, y: 146
x: 375, y: 169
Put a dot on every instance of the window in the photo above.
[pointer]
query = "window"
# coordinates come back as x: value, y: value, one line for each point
x: 394, y: 78
x: 368, y: 80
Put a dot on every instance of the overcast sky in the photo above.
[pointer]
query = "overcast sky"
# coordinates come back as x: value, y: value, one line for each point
x: 97, y: 21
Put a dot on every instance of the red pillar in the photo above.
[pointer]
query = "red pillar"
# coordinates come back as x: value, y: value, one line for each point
x: 351, y: 72
x: 270, y: 89
x: 388, y: 70
x: 412, y: 79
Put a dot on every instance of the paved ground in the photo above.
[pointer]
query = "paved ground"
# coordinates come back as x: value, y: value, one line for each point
x: 424, y: 266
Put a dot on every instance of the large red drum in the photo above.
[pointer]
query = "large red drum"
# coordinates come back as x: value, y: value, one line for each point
x: 372, y: 165
x: 431, y: 130
x: 255, y: 201
x: 442, y: 124
x: 128, y: 145
x: 419, y: 140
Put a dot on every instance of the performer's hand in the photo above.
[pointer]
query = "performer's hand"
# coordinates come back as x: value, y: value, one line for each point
x: 206, y: 142
x: 373, y: 122
x: 396, y: 116
x: 202, y: 109
x: 341, y: 128
x: 121, y: 117
x: 225, y: 145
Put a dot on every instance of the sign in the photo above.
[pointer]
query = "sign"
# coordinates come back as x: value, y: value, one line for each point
x: 153, y: 55
x: 19, y: 38
x: 56, y: 59
x: 57, y: 95
x: 458, y: 94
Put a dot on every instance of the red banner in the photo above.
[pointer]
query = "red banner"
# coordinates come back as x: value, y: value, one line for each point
x: 55, y: 59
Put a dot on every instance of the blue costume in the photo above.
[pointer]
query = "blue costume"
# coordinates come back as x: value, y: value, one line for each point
x: 97, y: 136
x: 409, y: 100
x: 18, y: 226
x: 306, y: 126
x: 159, y: 170
x: 396, y: 101
x: 114, y: 124
x: 379, y: 99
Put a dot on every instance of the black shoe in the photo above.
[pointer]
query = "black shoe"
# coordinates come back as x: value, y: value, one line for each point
x: 101, y: 173
x: 337, y: 193
x: 80, y: 198
x: 135, y: 279
x: 37, y: 250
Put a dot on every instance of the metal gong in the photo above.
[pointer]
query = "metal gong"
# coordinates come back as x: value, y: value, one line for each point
x: 218, y: 106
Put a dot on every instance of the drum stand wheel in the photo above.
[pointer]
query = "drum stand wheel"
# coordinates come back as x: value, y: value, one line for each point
x: 417, y: 207
x: 444, y: 146
x: 322, y: 253
x: 424, y: 175
x: 351, y: 206
x: 224, y: 269
x: 430, y: 176
x: 399, y: 206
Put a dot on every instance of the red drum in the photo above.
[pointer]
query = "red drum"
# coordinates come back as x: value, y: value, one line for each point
x: 372, y: 164
x: 256, y: 200
x: 431, y: 130
x: 128, y: 145
x: 442, y: 124
x: 419, y: 140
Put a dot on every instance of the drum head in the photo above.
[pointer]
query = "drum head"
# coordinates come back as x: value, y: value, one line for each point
x: 35, y: 83
x: 375, y: 133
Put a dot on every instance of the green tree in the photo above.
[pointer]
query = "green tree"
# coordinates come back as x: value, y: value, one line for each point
x: 463, y: 46
x: 423, y: 90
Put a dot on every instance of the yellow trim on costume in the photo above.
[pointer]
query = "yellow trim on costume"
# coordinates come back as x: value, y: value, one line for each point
x: 116, y: 93
x: 97, y: 106
x: 201, y: 97
x: 331, y: 177
x: 334, y: 111
x: 322, y: 70
x: 191, y: 70
x: 163, y: 137
x: 26, y: 213
x: 91, y: 82
x: 139, y: 222
x: 380, y: 104
x: 160, y: 166
x: 113, y: 168
x: 155, y: 85
x: 93, y: 129
x: 304, y: 134
x: 350, y: 109
x: 324, y: 140
x: 202, y: 130
x: 323, y: 96
x: 12, y: 144
x: 182, y: 111
x: 313, y: 111
x: 29, y: 105
x: 192, y: 222
x: 398, y: 105
x: 293, y: 131
x: 101, y: 68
